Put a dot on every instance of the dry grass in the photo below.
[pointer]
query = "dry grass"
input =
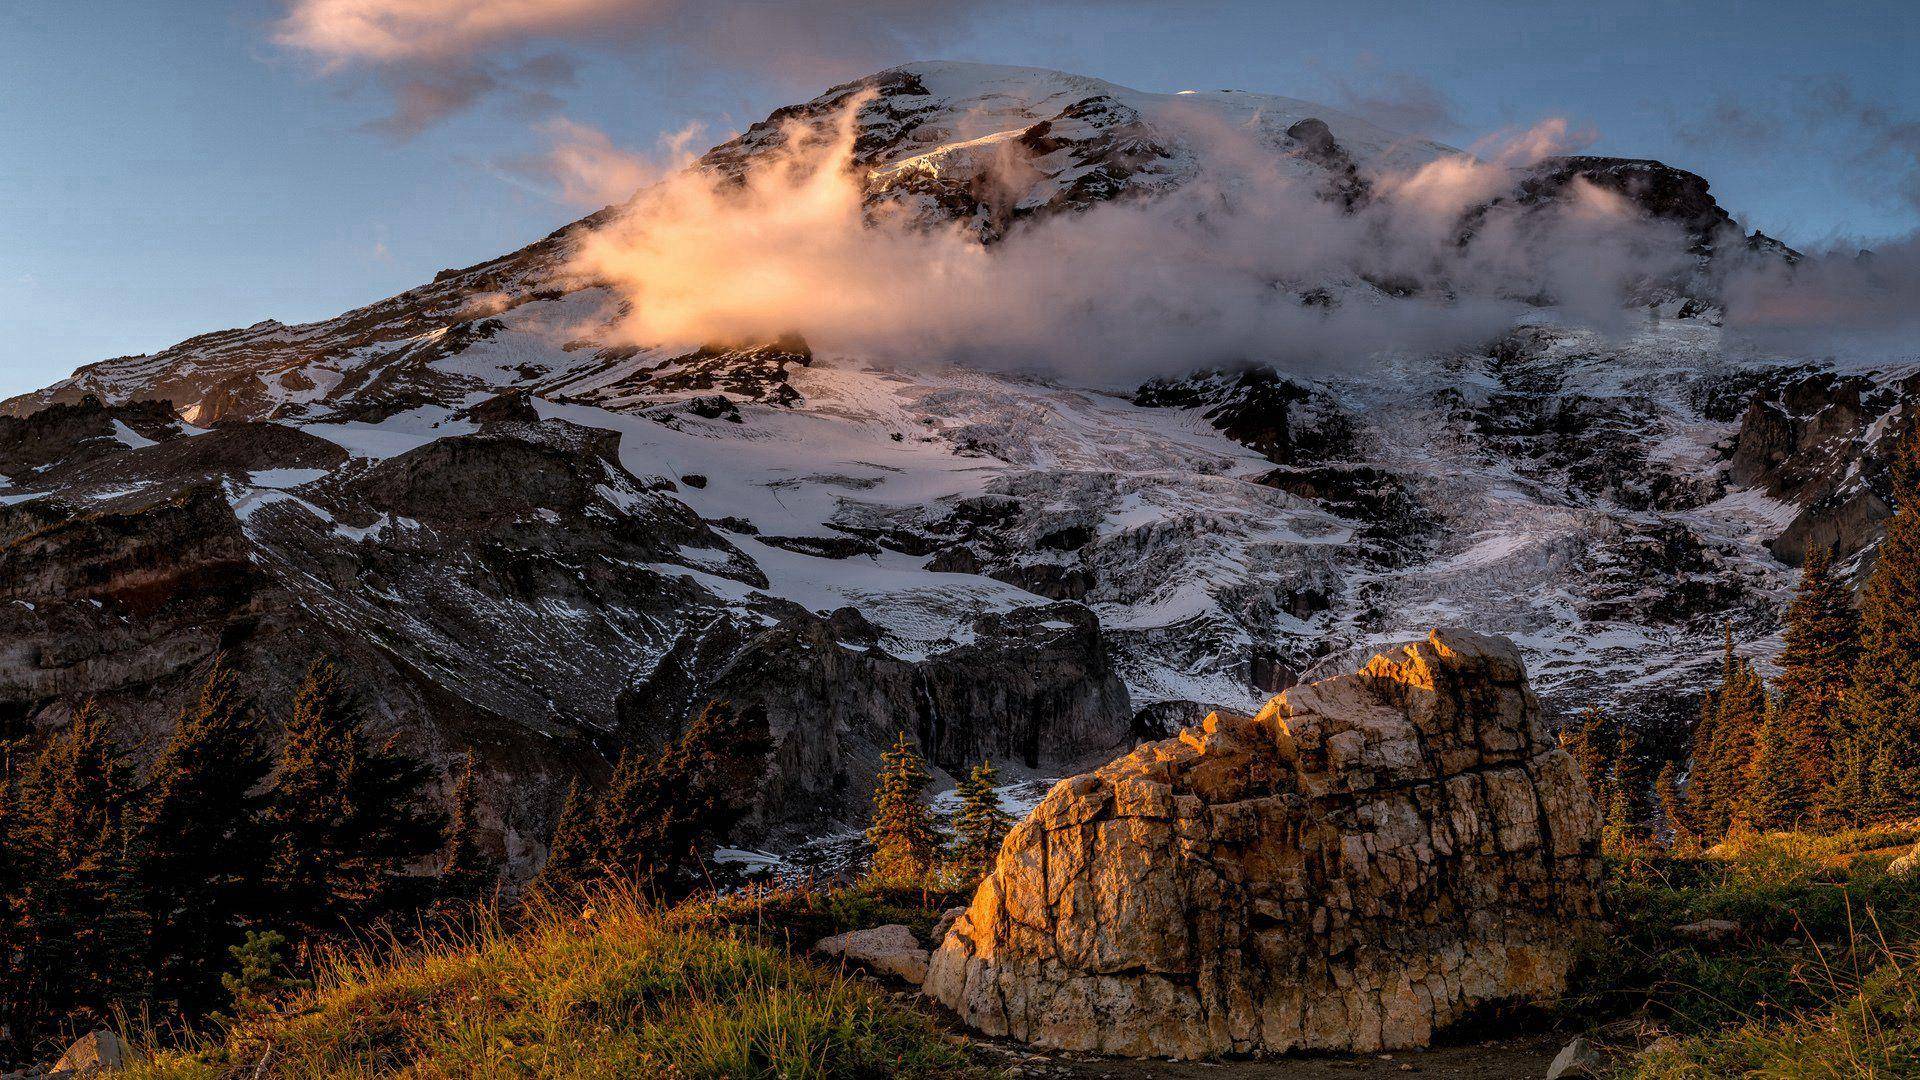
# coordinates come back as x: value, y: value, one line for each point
x: 1821, y: 980
x: 617, y: 989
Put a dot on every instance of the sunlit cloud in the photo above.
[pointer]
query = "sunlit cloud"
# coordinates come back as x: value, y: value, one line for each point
x: 441, y: 57
x: 1212, y: 272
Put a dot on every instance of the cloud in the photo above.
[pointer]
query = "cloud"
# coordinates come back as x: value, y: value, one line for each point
x: 1837, y: 302
x: 585, y: 168
x: 1223, y: 269
x: 441, y: 57
x: 1872, y: 145
x: 1891, y: 143
x: 1401, y: 101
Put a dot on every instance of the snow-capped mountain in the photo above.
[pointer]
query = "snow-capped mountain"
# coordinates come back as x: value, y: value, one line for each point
x: 532, y: 540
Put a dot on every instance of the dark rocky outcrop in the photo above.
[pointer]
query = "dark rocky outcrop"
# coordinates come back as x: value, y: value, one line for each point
x: 1664, y: 192
x: 1034, y: 689
x: 1313, y: 141
x: 1260, y: 409
x: 1822, y: 442
x: 72, y: 434
x: 751, y: 372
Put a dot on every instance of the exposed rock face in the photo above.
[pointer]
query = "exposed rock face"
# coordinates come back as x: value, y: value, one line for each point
x: 1035, y: 687
x: 1362, y: 864
x: 1823, y: 442
x: 1661, y: 190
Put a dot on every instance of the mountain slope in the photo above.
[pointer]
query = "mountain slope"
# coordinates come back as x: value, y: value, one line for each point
x: 531, y: 538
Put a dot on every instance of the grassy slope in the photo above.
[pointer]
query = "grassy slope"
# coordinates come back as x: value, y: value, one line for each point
x: 1821, y: 978
x: 617, y: 990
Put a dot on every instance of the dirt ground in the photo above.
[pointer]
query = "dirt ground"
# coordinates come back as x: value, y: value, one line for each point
x: 1524, y: 1058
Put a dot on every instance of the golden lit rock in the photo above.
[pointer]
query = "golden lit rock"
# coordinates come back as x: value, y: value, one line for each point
x: 1365, y: 862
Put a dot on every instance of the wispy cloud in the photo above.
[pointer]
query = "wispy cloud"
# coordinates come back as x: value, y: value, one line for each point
x: 1874, y: 146
x: 441, y: 57
x: 1398, y: 100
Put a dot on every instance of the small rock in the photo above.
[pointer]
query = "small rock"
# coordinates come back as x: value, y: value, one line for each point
x: 91, y: 1055
x: 947, y: 919
x: 1576, y: 1059
x: 1906, y: 865
x: 1709, y: 930
x: 890, y: 950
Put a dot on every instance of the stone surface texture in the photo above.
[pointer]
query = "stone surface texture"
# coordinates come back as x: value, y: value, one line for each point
x: 888, y: 950
x: 1371, y: 858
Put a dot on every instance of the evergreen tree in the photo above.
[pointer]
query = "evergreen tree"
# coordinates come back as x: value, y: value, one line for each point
x: 1672, y: 807
x: 904, y: 838
x: 570, y: 850
x: 1846, y: 797
x: 19, y: 1015
x: 1822, y: 643
x: 346, y: 815
x: 258, y: 981
x: 1724, y: 743
x: 1700, y: 804
x: 1889, y: 786
x: 662, y: 808
x: 1783, y: 785
x: 1883, y: 703
x: 1625, y: 786
x: 198, y: 844
x: 1589, y: 744
x: 79, y: 928
x: 466, y: 870
x: 980, y: 825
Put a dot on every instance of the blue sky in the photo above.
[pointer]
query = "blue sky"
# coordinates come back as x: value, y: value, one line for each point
x: 167, y: 168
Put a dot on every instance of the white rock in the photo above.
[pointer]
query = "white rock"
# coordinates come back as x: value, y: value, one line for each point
x: 91, y: 1055
x: 1576, y: 1059
x: 889, y: 950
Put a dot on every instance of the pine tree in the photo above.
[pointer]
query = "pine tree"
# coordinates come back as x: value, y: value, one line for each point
x: 904, y: 838
x: 80, y: 930
x: 1724, y: 742
x: 198, y: 844
x: 1672, y: 807
x: 466, y: 870
x: 1822, y: 644
x: 346, y: 814
x: 662, y: 808
x: 570, y: 850
x: 981, y: 825
x: 1783, y: 788
x: 258, y: 980
x: 1889, y: 785
x: 18, y: 1017
x: 1846, y: 798
x: 1883, y: 703
x: 1590, y: 745
x: 1625, y: 786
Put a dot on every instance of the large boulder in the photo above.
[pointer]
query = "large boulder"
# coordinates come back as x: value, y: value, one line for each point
x: 1368, y: 860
